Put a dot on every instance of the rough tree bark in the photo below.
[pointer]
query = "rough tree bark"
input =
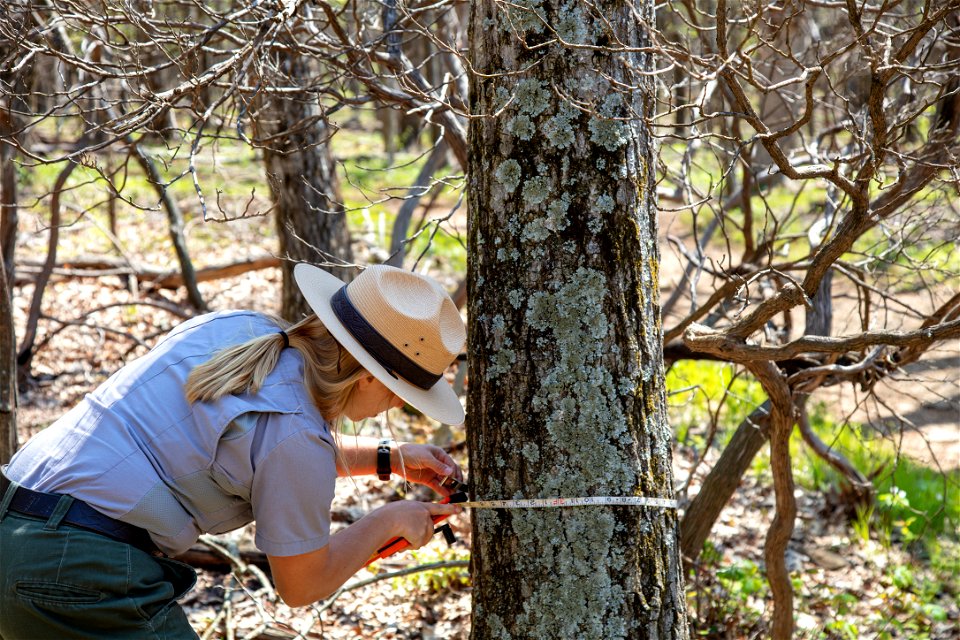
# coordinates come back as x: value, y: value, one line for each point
x: 567, y: 391
x: 8, y: 373
x: 8, y: 339
x: 8, y: 195
x: 311, y: 223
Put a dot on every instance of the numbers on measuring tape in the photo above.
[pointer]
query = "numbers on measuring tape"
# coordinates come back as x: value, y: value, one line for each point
x: 542, y: 503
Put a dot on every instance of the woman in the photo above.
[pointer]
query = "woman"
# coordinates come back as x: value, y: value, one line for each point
x: 227, y: 421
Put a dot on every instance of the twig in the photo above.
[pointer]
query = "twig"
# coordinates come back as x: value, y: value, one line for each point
x: 448, y: 564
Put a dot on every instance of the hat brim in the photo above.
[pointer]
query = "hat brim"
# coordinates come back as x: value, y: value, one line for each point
x: 440, y: 401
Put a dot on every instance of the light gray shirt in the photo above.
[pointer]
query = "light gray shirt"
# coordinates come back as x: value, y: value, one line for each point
x: 137, y: 451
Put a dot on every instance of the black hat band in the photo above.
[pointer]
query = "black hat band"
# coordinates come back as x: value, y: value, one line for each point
x: 388, y: 356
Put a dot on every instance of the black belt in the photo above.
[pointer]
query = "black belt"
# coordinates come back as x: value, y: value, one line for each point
x: 80, y: 514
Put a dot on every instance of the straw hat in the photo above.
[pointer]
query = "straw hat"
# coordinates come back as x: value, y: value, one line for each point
x: 401, y: 326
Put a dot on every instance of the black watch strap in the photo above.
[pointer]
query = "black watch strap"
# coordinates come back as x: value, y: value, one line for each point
x: 383, y: 460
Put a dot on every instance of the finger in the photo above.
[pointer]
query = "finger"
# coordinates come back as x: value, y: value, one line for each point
x: 454, y: 470
x: 434, y: 484
x: 436, y: 509
x: 439, y: 462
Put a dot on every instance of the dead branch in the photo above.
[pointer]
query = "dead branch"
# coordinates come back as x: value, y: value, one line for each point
x: 433, y: 566
x: 98, y: 267
x: 30, y: 331
x: 720, y: 342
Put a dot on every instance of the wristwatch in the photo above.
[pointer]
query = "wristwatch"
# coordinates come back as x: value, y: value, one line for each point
x: 383, y: 460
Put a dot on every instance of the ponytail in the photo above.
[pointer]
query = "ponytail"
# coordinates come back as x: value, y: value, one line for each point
x: 330, y: 373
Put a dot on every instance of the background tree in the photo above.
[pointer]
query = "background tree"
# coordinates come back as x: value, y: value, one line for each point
x: 310, y: 218
x: 567, y: 395
x: 854, y: 110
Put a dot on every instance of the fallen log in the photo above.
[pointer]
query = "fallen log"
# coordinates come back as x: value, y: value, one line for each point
x: 102, y: 266
x: 202, y: 557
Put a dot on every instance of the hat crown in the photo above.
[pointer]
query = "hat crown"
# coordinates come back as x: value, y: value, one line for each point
x: 412, y: 312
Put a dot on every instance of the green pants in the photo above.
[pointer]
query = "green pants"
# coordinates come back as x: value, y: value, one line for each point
x: 58, y: 581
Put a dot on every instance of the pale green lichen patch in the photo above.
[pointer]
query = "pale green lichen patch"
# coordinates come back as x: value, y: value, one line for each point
x: 527, y: 15
x: 605, y: 130
x: 535, y: 190
x: 540, y: 228
x: 571, y: 25
x: 536, y: 231
x: 609, y: 134
x: 497, y: 630
x: 521, y: 126
x: 501, y: 362
x: 575, y: 543
x: 508, y: 174
x: 531, y: 452
x: 578, y: 392
x: 501, y: 98
x: 603, y: 204
x: 559, y: 128
x: 532, y: 97
x: 557, y: 213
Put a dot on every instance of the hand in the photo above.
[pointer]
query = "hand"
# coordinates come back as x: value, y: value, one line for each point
x: 413, y: 520
x: 425, y: 464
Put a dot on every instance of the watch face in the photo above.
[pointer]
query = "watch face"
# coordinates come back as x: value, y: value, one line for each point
x: 383, y: 460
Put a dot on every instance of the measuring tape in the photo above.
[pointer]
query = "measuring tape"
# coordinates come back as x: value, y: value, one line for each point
x: 546, y: 503
x: 459, y: 498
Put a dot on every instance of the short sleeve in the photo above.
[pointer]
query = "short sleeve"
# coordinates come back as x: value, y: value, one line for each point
x: 293, y: 487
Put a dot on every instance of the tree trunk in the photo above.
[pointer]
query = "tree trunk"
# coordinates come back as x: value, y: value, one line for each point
x: 8, y: 373
x: 8, y: 196
x: 16, y: 87
x: 722, y: 481
x: 567, y: 389
x: 311, y: 223
x: 8, y: 244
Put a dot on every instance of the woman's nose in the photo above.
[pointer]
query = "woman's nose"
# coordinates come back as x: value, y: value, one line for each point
x: 397, y: 402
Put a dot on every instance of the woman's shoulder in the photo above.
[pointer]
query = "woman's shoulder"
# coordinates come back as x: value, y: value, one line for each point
x: 232, y: 324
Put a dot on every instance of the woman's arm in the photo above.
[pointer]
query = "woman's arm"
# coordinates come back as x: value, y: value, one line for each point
x: 422, y: 463
x: 358, y: 456
x: 306, y: 578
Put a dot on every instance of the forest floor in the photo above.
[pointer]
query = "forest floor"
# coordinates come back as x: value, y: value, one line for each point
x: 848, y: 586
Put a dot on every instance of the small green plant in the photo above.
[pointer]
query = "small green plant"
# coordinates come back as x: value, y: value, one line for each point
x: 726, y: 598
x: 841, y: 628
x: 902, y: 577
x: 861, y: 522
x: 440, y: 579
x: 914, y: 504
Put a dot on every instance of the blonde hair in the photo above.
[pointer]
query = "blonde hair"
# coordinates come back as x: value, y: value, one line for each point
x: 330, y: 373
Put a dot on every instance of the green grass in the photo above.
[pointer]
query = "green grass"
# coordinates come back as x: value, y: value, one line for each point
x: 914, y: 502
x: 917, y: 510
x: 696, y: 389
x: 373, y: 192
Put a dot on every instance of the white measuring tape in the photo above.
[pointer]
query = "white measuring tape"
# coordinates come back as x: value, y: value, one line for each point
x: 546, y: 503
